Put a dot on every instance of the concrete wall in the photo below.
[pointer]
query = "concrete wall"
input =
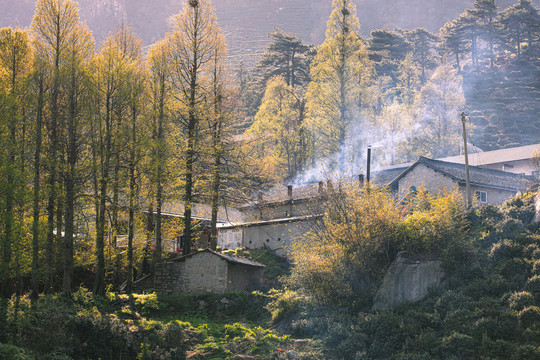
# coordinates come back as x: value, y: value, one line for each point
x: 230, y: 238
x: 517, y: 167
x: 431, y: 180
x: 241, y: 277
x: 276, y: 237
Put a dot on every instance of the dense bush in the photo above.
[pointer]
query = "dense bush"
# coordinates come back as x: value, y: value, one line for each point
x: 11, y: 352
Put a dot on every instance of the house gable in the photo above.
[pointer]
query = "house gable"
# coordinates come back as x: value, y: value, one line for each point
x: 422, y: 175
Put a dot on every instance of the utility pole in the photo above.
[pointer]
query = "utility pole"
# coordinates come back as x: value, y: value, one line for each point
x: 468, y: 183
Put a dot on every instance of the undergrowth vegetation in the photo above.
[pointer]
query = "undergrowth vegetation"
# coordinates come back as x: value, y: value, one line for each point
x: 488, y: 306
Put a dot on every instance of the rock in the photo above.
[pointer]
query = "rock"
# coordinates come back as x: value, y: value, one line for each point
x: 225, y: 301
x: 291, y: 355
x: 246, y: 357
x: 407, y: 280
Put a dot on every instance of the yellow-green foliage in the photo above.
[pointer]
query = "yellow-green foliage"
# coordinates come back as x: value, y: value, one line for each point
x: 284, y: 303
x: 361, y: 232
x: 352, y: 243
x: 434, y: 221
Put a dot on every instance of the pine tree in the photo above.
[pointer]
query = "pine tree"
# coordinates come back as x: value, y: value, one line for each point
x: 387, y: 49
x: 453, y: 41
x: 520, y: 22
x: 423, y: 44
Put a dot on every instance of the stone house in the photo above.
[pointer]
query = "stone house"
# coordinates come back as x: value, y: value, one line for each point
x: 286, y: 212
x: 488, y: 185
x: 207, y: 271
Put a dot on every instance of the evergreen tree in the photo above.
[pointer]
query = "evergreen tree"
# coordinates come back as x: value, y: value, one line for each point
x: 423, y: 44
x: 453, y: 41
x: 520, y: 22
x: 285, y: 56
x: 387, y: 49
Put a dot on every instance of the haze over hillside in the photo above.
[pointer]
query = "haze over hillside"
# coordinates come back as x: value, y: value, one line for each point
x: 246, y: 23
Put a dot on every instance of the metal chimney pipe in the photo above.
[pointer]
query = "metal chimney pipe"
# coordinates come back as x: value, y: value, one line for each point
x: 361, y: 180
x: 368, y: 177
x: 289, y: 191
x: 321, y: 187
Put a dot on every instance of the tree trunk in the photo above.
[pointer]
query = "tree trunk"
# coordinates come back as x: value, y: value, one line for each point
x: 37, y: 171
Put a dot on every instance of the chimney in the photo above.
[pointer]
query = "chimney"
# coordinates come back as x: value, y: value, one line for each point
x: 321, y: 187
x: 330, y: 186
x: 289, y: 191
x: 260, y: 197
x: 361, y: 180
x: 368, y: 177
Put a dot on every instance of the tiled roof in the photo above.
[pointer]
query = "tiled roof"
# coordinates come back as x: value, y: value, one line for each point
x: 229, y: 258
x: 201, y: 211
x: 478, y: 176
x: 496, y: 156
x: 279, y: 193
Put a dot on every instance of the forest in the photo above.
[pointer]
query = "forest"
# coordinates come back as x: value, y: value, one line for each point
x: 98, y: 137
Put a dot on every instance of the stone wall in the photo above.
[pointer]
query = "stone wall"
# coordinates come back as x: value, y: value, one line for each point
x: 430, y: 179
x: 168, y: 278
x: 205, y: 273
x: 200, y: 273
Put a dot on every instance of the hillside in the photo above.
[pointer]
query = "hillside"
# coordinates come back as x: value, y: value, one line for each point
x: 247, y: 22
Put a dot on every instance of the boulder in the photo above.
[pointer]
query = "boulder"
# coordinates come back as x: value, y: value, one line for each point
x: 407, y: 279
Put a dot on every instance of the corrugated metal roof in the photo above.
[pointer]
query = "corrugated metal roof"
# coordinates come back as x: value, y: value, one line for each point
x: 496, y: 156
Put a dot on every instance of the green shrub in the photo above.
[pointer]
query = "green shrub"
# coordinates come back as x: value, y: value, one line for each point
x: 11, y: 352
x: 284, y: 303
x: 145, y: 303
x: 533, y: 286
x: 536, y: 267
x: 520, y: 300
x: 100, y: 337
x: 505, y: 250
x: 42, y: 328
x: 449, y: 302
x: 459, y: 345
x: 530, y: 316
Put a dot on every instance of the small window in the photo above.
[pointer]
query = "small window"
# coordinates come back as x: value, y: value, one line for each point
x: 250, y: 241
x: 481, y: 196
x: 267, y: 240
x: 278, y: 239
